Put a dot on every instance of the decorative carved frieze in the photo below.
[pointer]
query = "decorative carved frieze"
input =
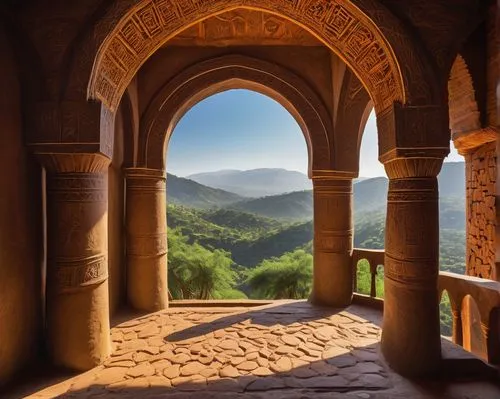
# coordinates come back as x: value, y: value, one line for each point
x: 341, y: 25
x: 78, y: 187
x: 244, y: 27
x: 78, y: 273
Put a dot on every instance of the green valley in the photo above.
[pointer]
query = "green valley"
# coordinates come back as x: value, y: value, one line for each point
x: 222, y: 245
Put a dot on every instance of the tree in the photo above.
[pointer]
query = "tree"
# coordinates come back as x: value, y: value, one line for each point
x: 195, y: 272
x: 289, y: 276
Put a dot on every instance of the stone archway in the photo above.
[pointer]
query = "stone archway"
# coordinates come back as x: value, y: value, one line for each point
x: 406, y: 94
x: 366, y: 36
x: 232, y: 72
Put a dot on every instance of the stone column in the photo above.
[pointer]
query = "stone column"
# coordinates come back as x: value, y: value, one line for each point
x: 411, y: 339
x: 333, y: 241
x: 146, y: 226
x: 77, y: 264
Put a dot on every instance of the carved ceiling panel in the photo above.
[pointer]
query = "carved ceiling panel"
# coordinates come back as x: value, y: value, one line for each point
x: 244, y: 27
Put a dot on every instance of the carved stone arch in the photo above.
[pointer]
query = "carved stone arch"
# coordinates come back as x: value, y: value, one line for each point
x: 229, y: 72
x: 463, y: 107
x: 371, y: 40
x: 129, y: 112
x: 350, y: 119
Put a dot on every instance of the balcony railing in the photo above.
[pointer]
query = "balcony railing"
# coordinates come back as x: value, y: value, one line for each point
x: 475, y: 306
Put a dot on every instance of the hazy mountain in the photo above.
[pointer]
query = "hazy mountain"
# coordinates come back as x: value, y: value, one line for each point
x: 452, y: 180
x: 187, y: 192
x: 296, y: 205
x: 369, y: 194
x: 255, y: 182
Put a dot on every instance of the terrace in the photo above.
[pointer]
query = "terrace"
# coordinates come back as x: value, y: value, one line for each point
x: 287, y: 348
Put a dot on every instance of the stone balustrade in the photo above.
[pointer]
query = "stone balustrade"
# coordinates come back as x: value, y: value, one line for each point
x: 475, y: 306
x: 374, y: 258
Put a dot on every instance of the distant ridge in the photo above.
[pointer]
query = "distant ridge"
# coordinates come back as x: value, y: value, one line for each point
x: 189, y: 193
x: 256, y: 182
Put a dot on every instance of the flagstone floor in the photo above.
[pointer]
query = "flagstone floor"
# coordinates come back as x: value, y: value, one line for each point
x: 288, y: 349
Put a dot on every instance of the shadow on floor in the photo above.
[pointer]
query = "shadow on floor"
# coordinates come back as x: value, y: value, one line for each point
x: 359, y: 373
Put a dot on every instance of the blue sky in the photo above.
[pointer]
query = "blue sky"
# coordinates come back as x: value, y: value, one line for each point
x: 241, y: 129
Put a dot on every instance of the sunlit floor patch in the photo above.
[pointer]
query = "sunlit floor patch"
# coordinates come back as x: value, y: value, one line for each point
x: 287, y: 348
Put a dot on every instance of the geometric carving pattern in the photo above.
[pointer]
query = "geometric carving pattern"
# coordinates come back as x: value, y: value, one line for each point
x: 410, y: 260
x: 339, y: 24
x: 78, y: 187
x: 74, y: 200
x: 248, y: 27
x: 73, y: 274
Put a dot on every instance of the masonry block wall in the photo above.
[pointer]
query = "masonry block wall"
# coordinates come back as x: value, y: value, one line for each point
x: 481, y: 171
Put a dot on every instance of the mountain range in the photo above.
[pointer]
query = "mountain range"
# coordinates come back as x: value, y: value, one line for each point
x: 256, y: 182
x: 370, y: 194
x: 255, y: 229
x: 187, y: 192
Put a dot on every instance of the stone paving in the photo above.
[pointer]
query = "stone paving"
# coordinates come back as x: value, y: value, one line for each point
x: 287, y: 349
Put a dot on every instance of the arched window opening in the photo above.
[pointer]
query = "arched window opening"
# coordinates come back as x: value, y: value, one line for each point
x: 239, y: 201
x: 445, y: 315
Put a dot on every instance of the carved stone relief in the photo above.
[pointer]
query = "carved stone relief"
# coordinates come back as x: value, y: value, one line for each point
x: 342, y: 26
x: 248, y: 27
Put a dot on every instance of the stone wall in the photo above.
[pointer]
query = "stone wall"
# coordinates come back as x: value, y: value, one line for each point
x: 481, y: 215
x: 21, y: 242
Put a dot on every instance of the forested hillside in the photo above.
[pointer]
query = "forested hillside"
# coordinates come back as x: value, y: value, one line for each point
x: 187, y: 192
x: 222, y: 245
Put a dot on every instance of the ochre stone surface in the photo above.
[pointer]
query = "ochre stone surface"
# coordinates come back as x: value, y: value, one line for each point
x: 244, y: 26
x: 146, y: 226
x: 283, y: 350
x: 464, y: 112
x: 77, y: 267
x: 411, y: 334
x: 481, y: 174
x: 21, y: 240
x: 116, y: 228
x: 341, y: 26
x: 333, y: 241
x: 397, y: 53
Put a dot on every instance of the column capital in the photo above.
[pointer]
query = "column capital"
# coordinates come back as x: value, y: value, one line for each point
x: 71, y: 126
x: 333, y: 175
x: 413, y: 167
x: 74, y: 162
x: 145, y: 172
x: 407, y: 131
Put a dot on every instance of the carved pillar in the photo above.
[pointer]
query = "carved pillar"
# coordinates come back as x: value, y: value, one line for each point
x: 411, y: 339
x: 77, y: 264
x: 333, y: 241
x: 146, y: 225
